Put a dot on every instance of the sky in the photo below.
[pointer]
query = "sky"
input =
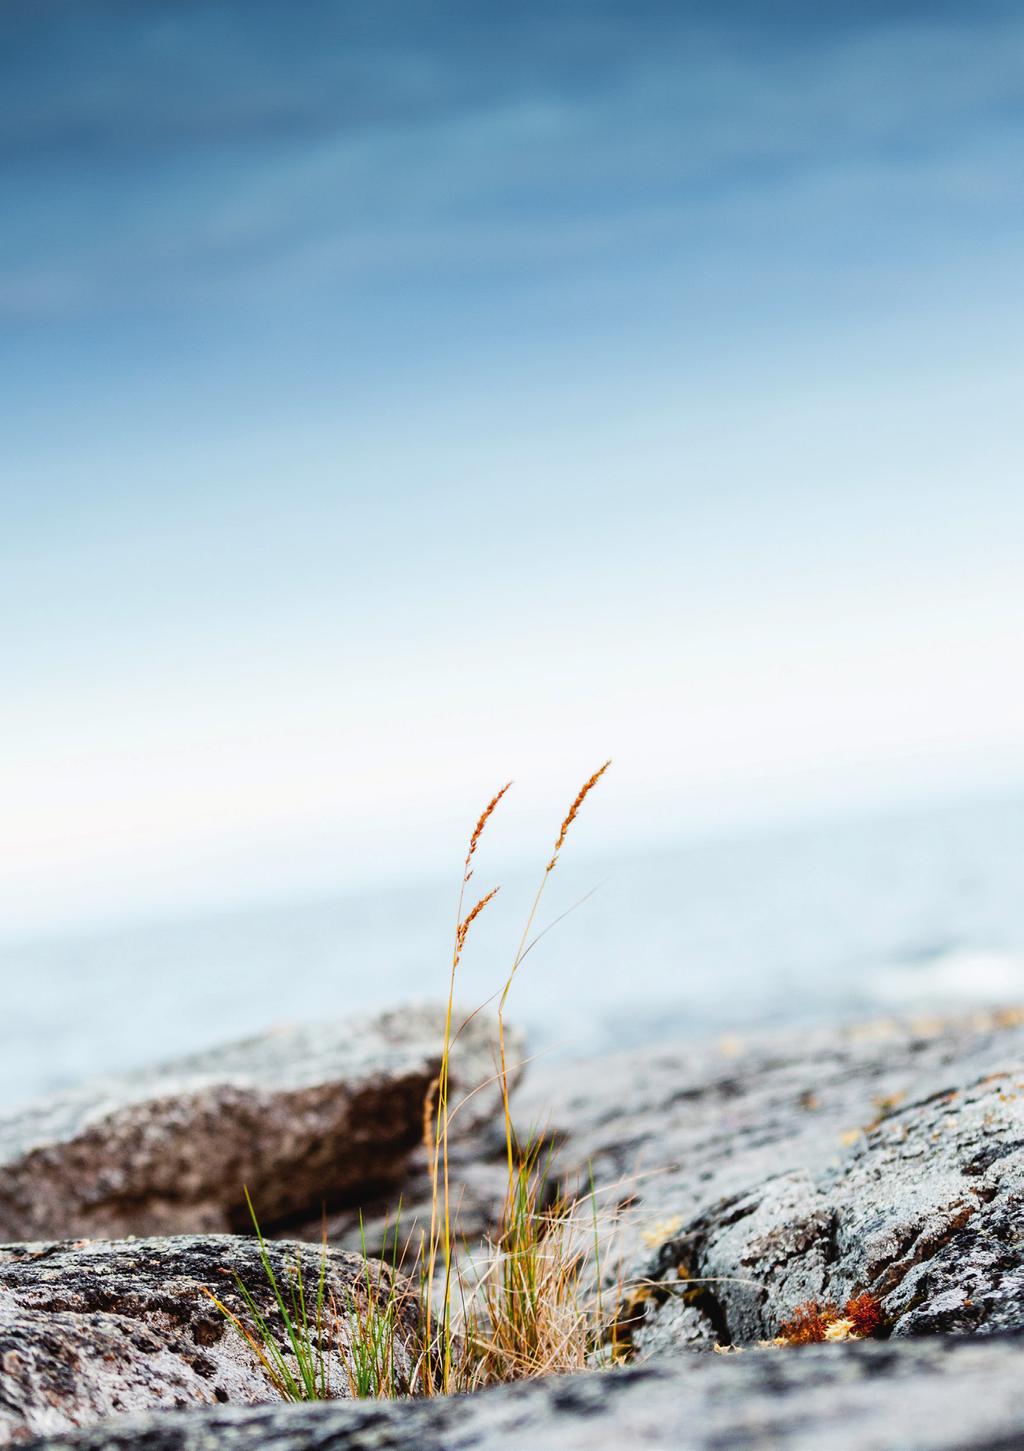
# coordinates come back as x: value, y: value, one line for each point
x: 402, y: 395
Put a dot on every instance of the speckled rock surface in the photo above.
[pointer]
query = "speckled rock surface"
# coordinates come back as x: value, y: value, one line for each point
x: 753, y: 1175
x: 304, y: 1116
x: 884, y: 1157
x: 941, y: 1394
x: 97, y: 1328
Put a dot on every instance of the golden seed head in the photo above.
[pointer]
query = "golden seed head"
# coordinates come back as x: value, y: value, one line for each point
x: 582, y: 795
x: 463, y: 928
x: 485, y: 815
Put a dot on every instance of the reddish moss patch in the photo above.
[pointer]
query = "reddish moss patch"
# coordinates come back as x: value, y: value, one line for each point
x: 808, y: 1323
x: 811, y: 1322
x: 866, y: 1314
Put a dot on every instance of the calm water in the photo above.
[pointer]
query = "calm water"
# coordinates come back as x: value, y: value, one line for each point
x: 914, y: 912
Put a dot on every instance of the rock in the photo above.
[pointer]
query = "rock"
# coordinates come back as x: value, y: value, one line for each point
x: 941, y: 1394
x: 751, y: 1176
x: 91, y: 1329
x: 884, y: 1158
x: 305, y: 1116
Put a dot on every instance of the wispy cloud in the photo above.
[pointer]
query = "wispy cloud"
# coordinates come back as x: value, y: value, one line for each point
x: 160, y: 155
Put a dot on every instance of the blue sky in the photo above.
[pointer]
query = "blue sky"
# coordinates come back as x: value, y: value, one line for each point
x: 398, y: 396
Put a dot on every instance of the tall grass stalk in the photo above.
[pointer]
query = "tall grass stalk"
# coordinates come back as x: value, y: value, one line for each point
x: 441, y: 1236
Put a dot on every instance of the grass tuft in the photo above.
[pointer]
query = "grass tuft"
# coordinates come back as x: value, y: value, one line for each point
x: 531, y: 1306
x: 372, y: 1321
x: 303, y: 1375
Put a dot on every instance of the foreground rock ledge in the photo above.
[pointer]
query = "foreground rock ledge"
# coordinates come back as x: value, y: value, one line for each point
x: 96, y: 1328
x: 302, y: 1116
x: 944, y: 1394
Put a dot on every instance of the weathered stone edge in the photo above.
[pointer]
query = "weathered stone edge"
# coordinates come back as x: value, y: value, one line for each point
x: 937, y: 1394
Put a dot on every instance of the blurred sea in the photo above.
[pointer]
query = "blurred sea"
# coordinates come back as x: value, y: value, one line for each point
x: 914, y: 913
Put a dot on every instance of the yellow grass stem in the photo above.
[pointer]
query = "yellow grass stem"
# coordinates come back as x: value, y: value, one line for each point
x: 440, y: 1192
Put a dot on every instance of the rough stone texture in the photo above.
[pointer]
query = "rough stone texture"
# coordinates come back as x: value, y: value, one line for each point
x: 304, y: 1116
x: 753, y: 1176
x: 90, y: 1329
x: 942, y: 1394
x: 884, y: 1157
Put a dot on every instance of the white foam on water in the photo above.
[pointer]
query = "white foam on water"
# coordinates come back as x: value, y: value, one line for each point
x: 966, y: 977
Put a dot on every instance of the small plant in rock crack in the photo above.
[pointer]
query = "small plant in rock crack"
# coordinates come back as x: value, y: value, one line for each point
x: 364, y: 1327
x: 526, y: 1308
